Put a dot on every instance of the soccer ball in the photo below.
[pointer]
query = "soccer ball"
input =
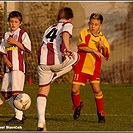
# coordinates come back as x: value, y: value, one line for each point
x: 22, y: 101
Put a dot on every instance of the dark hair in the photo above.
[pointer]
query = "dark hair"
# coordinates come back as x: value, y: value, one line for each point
x: 97, y: 16
x: 15, y: 14
x: 65, y: 13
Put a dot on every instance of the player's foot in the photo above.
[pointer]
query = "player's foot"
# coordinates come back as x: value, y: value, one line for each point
x: 41, y: 126
x: 101, y: 117
x: 1, y: 102
x: 77, y: 111
x: 14, y: 120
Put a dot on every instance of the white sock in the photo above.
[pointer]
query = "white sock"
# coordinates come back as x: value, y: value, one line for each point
x: 41, y: 107
x: 19, y: 113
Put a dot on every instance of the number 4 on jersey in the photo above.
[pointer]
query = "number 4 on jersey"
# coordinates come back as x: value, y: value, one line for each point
x: 52, y: 34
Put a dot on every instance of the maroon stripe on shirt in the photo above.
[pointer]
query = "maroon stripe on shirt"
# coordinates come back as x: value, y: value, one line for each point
x: 20, y: 39
x: 21, y: 60
x: 9, y: 55
x: 62, y: 48
x: 21, y: 32
x: 20, y: 53
x: 50, y: 56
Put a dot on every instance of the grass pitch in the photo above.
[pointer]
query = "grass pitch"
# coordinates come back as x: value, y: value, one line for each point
x: 118, y: 100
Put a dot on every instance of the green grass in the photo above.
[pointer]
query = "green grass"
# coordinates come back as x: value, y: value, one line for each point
x: 59, y: 115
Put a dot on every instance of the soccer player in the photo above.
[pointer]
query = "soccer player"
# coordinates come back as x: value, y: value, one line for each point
x: 55, y: 59
x: 14, y: 43
x: 92, y: 47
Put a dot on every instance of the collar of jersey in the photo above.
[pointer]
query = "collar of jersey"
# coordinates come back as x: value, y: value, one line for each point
x: 62, y: 21
x: 96, y: 35
x: 12, y: 33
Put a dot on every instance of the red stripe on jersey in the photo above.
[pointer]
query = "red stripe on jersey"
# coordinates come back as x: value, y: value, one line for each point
x: 20, y: 39
x: 87, y: 39
x: 20, y: 53
x: 10, y: 55
x: 21, y: 60
x: 27, y: 50
x: 50, y: 56
x: 79, y: 65
x: 62, y: 48
x: 21, y: 32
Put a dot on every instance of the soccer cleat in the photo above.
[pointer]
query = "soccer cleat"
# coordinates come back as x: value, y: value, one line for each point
x: 77, y: 111
x: 1, y: 102
x: 41, y: 126
x: 15, y: 121
x: 101, y: 117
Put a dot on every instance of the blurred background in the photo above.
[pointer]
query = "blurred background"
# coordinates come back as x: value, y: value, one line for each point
x: 117, y: 28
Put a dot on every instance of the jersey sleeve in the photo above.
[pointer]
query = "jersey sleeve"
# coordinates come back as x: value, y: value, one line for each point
x: 68, y: 28
x: 26, y: 42
x: 83, y: 38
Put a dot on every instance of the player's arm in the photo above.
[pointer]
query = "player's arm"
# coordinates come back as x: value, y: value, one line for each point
x: 104, y: 49
x: 66, y: 41
x: 83, y: 44
x: 6, y: 61
x: 11, y: 40
x: 102, y: 46
x: 90, y: 50
x: 3, y: 53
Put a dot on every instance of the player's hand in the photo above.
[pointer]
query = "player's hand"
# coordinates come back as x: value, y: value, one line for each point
x: 70, y: 54
x: 11, y: 40
x: 101, y: 45
x: 8, y: 63
x: 98, y: 54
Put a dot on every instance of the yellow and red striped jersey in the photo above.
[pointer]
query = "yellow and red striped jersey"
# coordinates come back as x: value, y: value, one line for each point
x: 87, y: 61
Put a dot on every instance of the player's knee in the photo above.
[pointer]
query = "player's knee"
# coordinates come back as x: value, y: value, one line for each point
x: 75, y: 89
x: 6, y: 95
x: 75, y: 92
x: 98, y: 95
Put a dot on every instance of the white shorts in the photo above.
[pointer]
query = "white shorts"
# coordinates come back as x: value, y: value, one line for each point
x: 46, y: 73
x: 13, y: 81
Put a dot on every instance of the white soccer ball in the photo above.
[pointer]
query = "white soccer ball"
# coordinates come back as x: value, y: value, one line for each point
x: 22, y: 101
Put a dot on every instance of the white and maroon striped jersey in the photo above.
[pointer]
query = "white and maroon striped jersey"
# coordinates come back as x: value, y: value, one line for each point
x: 15, y: 54
x: 51, y: 52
